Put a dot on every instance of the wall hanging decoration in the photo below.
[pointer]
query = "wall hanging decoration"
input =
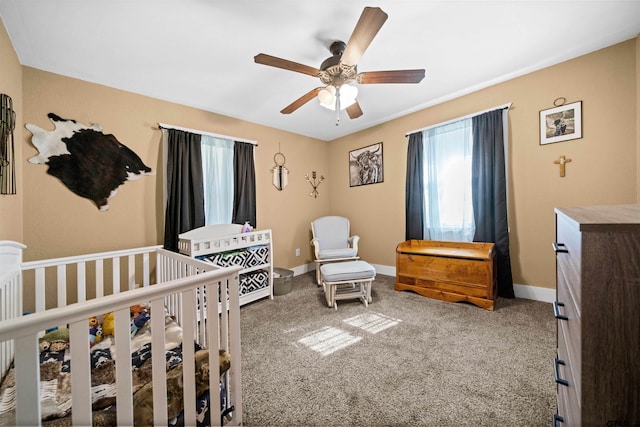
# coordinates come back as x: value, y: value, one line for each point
x: 562, y: 161
x: 561, y: 123
x: 91, y: 164
x: 315, y: 182
x: 279, y: 171
x: 365, y: 165
x: 7, y: 152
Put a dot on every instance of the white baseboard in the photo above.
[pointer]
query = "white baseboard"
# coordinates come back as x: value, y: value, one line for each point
x: 304, y: 268
x: 535, y: 293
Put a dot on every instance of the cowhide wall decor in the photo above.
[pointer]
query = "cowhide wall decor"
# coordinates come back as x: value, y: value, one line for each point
x: 91, y: 164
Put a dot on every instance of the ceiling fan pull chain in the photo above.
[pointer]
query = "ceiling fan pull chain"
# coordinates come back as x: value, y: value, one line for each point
x: 337, y: 105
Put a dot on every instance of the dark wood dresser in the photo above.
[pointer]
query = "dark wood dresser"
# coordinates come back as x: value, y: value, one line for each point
x: 597, y: 368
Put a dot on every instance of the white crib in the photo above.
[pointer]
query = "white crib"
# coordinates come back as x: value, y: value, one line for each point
x: 67, y: 291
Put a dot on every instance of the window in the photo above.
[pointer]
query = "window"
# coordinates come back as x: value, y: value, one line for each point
x: 217, y: 177
x: 456, y: 187
x: 227, y: 172
x: 447, y: 182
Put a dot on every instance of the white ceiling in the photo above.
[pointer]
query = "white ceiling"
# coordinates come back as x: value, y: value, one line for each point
x: 200, y: 52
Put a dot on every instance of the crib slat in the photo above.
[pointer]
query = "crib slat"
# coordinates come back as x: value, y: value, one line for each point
x: 80, y: 374
x: 82, y: 281
x: 213, y: 344
x: 224, y: 319
x: 61, y: 282
x: 158, y: 373
x: 202, y: 315
x: 124, y: 383
x: 160, y: 267
x: 234, y: 346
x: 146, y: 279
x: 188, y: 361
x: 99, y: 278
x: 116, y: 275
x: 28, y: 370
x: 40, y: 290
x: 132, y: 271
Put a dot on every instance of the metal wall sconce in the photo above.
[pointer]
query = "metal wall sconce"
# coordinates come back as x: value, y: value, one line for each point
x: 315, y: 182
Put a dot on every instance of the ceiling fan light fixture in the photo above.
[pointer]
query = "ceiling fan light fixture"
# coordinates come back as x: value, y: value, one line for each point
x: 348, y: 95
x: 327, y: 96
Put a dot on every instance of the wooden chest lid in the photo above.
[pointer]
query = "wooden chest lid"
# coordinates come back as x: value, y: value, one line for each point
x: 466, y: 250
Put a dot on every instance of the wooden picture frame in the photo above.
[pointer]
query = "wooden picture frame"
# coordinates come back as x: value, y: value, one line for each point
x: 561, y: 123
x: 366, y: 165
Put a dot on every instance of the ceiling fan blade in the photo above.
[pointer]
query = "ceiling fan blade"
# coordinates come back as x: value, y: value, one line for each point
x: 301, y: 101
x: 366, y: 29
x: 354, y: 111
x: 395, y: 76
x: 263, y: 58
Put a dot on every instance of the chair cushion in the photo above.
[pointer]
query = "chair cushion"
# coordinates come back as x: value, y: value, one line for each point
x: 337, y: 253
x: 345, y: 271
x: 332, y: 232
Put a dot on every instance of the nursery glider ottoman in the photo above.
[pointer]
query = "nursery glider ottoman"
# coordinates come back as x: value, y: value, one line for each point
x: 347, y: 280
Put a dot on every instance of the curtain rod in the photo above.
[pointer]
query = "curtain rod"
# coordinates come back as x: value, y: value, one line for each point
x: 499, y: 107
x: 201, y: 132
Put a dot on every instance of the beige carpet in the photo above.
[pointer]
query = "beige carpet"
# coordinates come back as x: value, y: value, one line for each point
x: 405, y: 360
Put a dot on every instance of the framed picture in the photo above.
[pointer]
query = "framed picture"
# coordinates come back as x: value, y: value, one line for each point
x: 366, y: 165
x: 561, y: 123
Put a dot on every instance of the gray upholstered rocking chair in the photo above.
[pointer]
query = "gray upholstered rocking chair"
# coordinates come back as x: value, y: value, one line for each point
x: 332, y: 241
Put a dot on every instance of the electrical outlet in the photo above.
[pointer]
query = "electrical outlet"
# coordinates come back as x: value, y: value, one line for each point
x: 298, y: 252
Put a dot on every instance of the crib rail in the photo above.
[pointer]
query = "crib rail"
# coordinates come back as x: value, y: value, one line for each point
x: 101, y: 273
x: 180, y: 280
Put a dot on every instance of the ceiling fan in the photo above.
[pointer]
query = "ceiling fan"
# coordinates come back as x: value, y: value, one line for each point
x: 340, y: 70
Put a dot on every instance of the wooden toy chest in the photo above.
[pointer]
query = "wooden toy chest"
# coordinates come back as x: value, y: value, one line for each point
x: 448, y: 271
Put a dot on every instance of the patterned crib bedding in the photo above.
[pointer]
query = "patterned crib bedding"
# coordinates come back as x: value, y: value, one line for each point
x: 253, y: 281
x: 246, y: 258
x: 250, y: 257
x: 55, y: 380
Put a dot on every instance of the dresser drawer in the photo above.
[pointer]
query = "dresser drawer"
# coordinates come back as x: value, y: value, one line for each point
x: 569, y: 254
x: 571, y: 369
x: 567, y: 369
x: 569, y: 278
x: 569, y: 335
x: 568, y: 407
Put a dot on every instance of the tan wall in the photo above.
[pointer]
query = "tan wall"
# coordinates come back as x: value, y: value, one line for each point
x: 603, y: 168
x: 603, y: 171
x: 59, y: 223
x: 11, y: 224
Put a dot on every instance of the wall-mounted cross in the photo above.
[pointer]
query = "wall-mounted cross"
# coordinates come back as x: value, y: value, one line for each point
x: 562, y: 161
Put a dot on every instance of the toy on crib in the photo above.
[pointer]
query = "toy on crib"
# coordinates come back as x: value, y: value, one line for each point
x: 56, y: 340
x: 95, y: 331
x: 139, y: 317
x: 108, y: 324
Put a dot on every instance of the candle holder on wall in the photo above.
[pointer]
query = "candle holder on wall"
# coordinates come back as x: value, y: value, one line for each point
x: 280, y: 172
x: 315, y: 182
